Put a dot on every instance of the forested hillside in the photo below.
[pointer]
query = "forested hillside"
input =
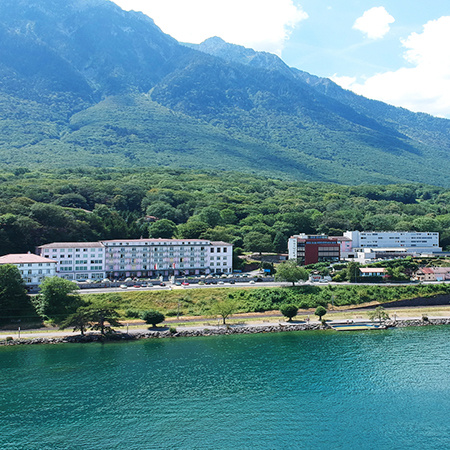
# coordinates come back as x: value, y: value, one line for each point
x: 254, y: 213
x: 87, y: 84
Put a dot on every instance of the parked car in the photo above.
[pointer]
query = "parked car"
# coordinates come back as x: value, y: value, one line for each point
x: 162, y: 284
x: 123, y: 286
x: 137, y: 286
x: 185, y: 283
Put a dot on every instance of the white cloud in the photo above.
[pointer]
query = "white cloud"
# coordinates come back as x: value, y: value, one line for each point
x: 374, y: 22
x: 424, y: 84
x: 259, y: 24
x: 345, y: 82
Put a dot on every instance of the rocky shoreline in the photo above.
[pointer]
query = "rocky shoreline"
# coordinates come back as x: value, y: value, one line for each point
x: 209, y: 331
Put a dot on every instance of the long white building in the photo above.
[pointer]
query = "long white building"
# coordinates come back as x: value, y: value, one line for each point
x: 139, y: 258
x: 411, y: 241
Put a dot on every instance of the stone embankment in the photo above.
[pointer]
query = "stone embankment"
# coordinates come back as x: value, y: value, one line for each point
x: 416, y: 322
x: 210, y: 331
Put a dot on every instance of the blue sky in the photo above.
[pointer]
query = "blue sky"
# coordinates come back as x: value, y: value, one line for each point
x: 396, y: 51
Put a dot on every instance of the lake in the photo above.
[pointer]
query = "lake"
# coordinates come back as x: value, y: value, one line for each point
x: 309, y: 389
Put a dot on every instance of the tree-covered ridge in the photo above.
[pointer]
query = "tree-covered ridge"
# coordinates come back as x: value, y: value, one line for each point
x: 254, y: 213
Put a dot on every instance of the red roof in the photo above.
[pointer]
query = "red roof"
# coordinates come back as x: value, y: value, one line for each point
x: 24, y: 258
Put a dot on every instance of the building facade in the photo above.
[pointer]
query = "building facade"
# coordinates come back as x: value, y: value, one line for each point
x: 76, y: 261
x: 121, y: 258
x: 33, y: 268
x: 311, y: 249
x: 411, y: 241
x: 433, y: 274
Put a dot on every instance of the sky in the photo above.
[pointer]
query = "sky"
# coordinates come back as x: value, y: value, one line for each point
x: 396, y: 51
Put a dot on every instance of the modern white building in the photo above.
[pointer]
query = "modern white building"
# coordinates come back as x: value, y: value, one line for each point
x: 121, y: 258
x: 33, y: 268
x: 411, y: 241
x: 76, y: 261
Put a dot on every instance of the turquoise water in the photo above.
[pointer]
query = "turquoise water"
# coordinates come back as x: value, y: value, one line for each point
x: 330, y: 390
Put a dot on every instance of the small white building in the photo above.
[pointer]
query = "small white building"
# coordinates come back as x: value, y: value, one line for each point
x: 372, y: 272
x: 33, y: 268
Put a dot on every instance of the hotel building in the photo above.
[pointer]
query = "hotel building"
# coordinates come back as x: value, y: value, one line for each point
x: 121, y: 258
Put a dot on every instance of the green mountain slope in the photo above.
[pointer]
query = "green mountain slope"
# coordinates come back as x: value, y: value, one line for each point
x: 85, y: 83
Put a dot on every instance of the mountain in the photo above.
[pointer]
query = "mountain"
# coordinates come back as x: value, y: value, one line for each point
x: 86, y: 83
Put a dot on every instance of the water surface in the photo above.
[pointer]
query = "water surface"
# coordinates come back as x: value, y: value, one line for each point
x: 361, y: 390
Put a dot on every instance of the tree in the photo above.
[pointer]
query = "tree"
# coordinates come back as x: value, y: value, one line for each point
x: 320, y: 312
x: 211, y: 216
x: 291, y: 272
x: 14, y: 302
x: 153, y: 317
x: 163, y: 228
x: 352, y: 271
x: 254, y: 241
x: 100, y: 315
x: 379, y: 313
x: 267, y: 266
x: 289, y: 311
x: 224, y: 308
x: 192, y: 229
x: 79, y: 320
x: 57, y: 299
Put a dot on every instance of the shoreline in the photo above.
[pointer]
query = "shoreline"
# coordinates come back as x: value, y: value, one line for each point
x: 215, y: 330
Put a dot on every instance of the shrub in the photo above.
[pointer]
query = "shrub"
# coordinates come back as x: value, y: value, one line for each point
x: 9, y: 338
x: 172, y: 330
x: 320, y: 312
x: 132, y: 313
x: 289, y: 311
x: 153, y: 317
